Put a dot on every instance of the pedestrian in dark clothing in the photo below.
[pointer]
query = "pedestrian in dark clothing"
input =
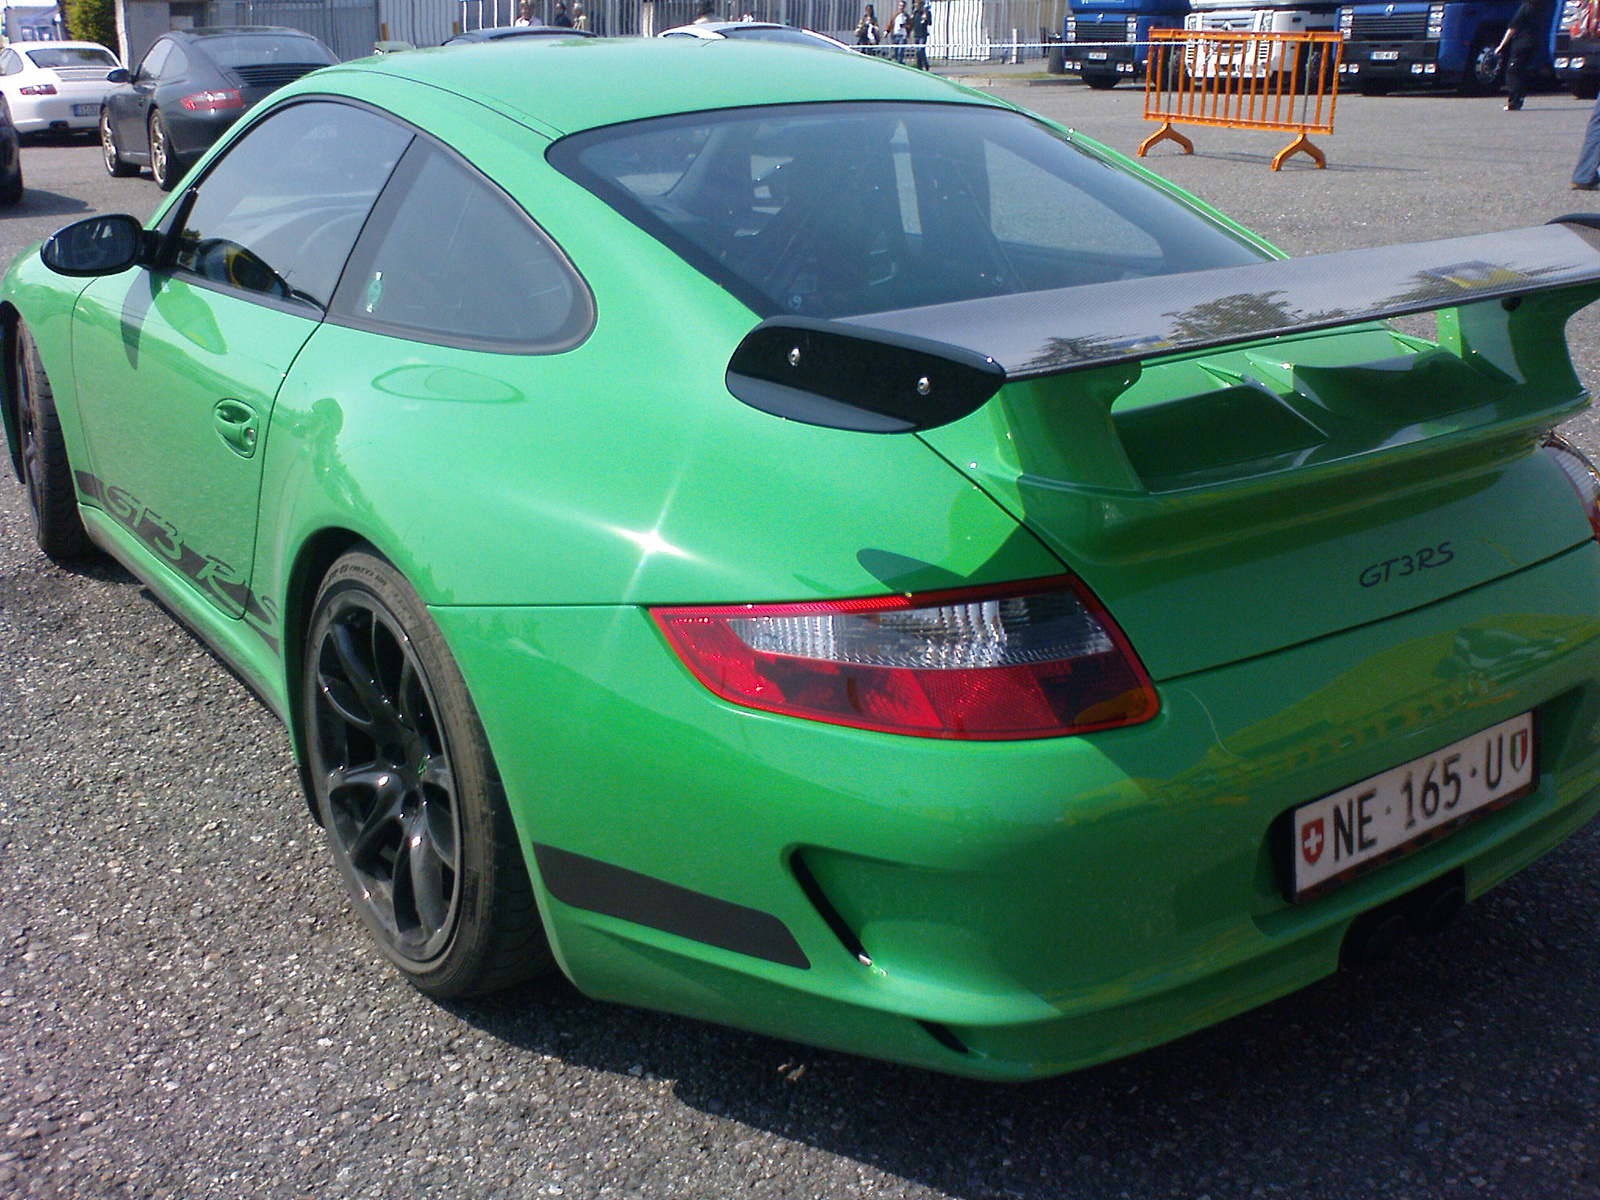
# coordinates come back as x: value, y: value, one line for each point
x: 1523, y: 44
x: 867, y: 32
x: 559, y: 17
x: 921, y: 23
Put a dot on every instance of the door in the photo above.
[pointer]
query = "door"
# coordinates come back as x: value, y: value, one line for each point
x: 128, y: 106
x: 178, y: 367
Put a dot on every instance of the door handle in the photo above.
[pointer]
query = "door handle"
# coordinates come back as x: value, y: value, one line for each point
x: 238, y: 425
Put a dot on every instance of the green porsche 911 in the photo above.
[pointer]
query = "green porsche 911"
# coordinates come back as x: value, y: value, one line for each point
x: 792, y: 541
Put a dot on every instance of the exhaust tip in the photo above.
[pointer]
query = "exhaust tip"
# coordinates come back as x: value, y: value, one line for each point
x: 1421, y: 912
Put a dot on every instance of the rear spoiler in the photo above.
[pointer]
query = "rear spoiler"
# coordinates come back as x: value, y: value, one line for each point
x: 919, y: 368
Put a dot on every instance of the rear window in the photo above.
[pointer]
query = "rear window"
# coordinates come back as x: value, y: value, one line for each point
x: 839, y: 209
x: 240, y: 50
x: 73, y: 56
x: 795, y: 37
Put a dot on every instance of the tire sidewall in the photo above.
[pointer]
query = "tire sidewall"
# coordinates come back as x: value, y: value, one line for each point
x: 478, y: 793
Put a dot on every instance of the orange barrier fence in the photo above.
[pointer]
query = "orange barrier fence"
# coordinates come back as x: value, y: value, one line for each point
x: 1286, y: 81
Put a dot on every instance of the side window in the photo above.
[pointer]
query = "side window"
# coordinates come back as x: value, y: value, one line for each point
x: 177, y: 63
x: 277, y: 215
x: 449, y: 258
x: 10, y: 64
x: 150, y: 67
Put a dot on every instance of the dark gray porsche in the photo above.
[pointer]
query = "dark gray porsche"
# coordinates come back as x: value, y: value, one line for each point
x: 190, y: 86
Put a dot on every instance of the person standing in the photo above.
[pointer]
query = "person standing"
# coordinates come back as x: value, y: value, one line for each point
x: 867, y: 33
x: 1586, y: 175
x: 524, y: 13
x: 900, y: 31
x: 580, y: 19
x: 559, y: 17
x: 921, y: 23
x: 1530, y: 26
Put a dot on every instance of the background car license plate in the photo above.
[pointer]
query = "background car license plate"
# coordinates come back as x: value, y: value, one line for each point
x: 85, y: 110
x: 1338, y: 835
x: 1385, y: 55
x: 1097, y: 55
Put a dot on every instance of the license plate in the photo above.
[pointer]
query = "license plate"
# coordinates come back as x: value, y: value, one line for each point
x: 1097, y: 56
x: 1383, y: 817
x: 86, y: 110
x: 1384, y: 55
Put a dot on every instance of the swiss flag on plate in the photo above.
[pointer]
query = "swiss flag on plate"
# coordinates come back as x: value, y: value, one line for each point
x: 1312, y: 840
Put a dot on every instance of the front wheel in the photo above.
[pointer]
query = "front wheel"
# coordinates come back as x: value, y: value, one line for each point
x: 1485, y: 68
x: 1100, y: 83
x: 165, y: 168
x: 407, y: 790
x: 1586, y: 87
x: 116, y: 165
x: 46, y: 473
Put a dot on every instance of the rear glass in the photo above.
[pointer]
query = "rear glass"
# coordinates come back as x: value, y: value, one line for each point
x: 839, y: 209
x: 233, y: 50
x: 795, y: 37
x: 73, y: 56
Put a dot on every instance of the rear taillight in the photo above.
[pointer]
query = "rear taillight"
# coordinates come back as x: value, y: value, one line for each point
x: 212, y: 101
x: 1040, y: 659
x: 38, y: 89
x: 1580, y: 473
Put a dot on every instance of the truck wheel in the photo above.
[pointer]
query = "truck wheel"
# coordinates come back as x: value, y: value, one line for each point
x: 1587, y: 87
x: 1484, y: 67
x: 1100, y: 83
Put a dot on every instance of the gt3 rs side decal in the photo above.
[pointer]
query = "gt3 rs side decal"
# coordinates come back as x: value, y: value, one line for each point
x: 211, y: 575
x: 614, y: 891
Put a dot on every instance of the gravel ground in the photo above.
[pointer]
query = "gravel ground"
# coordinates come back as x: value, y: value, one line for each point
x: 188, y: 1007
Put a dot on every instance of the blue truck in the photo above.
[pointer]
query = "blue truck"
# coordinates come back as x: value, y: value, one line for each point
x: 1107, y: 41
x: 1422, y: 44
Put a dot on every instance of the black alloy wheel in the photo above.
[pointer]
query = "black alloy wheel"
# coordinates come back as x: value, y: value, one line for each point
x: 46, y: 473
x: 406, y: 789
x: 115, y: 165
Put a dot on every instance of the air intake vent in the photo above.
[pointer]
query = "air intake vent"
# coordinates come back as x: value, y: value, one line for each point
x: 271, y: 75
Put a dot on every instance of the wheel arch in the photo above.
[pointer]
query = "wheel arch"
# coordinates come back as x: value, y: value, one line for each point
x: 9, y: 320
x: 311, y: 564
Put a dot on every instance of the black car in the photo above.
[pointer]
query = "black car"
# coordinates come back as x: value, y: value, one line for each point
x: 10, y: 160
x: 191, y: 85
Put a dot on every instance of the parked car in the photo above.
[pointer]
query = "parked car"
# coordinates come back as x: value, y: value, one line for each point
x: 501, y: 33
x: 756, y: 31
x: 811, y: 546
x: 190, y: 86
x: 10, y: 159
x: 55, y: 87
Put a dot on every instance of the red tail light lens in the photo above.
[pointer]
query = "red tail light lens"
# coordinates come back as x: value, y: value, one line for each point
x: 38, y: 89
x: 1580, y: 473
x: 1041, y: 659
x: 212, y: 101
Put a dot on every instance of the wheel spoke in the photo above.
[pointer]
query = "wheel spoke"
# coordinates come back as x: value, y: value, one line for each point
x: 441, y: 833
x: 341, y: 779
x: 371, y: 708
x: 426, y: 870
x: 375, y: 830
x: 437, y: 775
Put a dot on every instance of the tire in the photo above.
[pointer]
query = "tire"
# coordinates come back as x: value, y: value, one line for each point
x: 1586, y: 88
x: 1100, y: 83
x: 46, y: 473
x: 1485, y: 69
x: 165, y: 166
x: 407, y: 791
x: 116, y: 166
x: 11, y: 187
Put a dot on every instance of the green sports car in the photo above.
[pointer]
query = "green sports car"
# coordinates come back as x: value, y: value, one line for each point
x: 796, y: 542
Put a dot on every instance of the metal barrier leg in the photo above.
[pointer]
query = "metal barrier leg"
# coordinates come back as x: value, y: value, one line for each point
x: 1301, y: 145
x: 1168, y: 134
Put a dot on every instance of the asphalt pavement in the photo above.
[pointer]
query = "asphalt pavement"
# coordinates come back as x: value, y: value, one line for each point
x: 189, y: 1007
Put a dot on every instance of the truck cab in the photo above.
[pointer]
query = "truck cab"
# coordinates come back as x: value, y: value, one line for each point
x: 1107, y: 41
x: 1575, y: 48
x: 1418, y: 43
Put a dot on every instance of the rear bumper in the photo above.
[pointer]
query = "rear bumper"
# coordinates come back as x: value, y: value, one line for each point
x: 40, y: 114
x: 192, y: 133
x: 1027, y: 908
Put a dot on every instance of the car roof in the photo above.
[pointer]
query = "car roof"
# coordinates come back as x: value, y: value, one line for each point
x: 702, y: 28
x: 503, y: 32
x: 207, y: 31
x: 586, y: 83
x: 55, y: 45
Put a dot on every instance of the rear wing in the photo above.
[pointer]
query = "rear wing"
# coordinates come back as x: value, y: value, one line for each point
x: 919, y: 368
